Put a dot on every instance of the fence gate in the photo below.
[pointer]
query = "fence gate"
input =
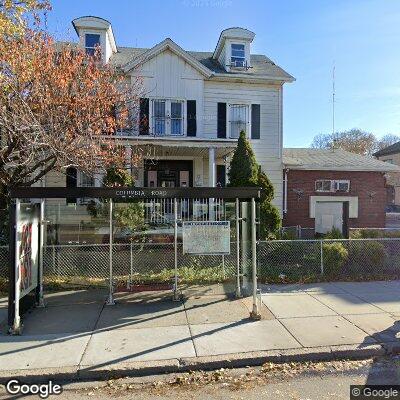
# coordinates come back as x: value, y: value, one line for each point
x: 135, y: 238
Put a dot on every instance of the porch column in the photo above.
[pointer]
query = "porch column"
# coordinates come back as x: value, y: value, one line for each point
x: 211, y: 167
x: 211, y: 181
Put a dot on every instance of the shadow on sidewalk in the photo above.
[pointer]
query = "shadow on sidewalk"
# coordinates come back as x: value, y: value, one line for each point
x: 385, y: 370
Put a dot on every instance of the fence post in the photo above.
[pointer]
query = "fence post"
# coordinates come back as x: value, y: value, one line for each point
x: 55, y: 267
x: 41, y: 249
x: 255, y: 314
x: 110, y: 299
x: 131, y: 267
x: 322, y: 257
x: 238, y: 287
x: 175, y: 295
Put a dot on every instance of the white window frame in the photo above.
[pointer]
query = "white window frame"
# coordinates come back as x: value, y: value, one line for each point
x: 233, y: 63
x: 334, y: 185
x: 89, y: 47
x: 345, y: 181
x: 228, y: 118
x: 168, y: 124
x: 323, y: 181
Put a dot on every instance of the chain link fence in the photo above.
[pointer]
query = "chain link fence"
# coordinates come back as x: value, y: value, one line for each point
x: 4, y: 260
x: 141, y: 263
x: 336, y: 259
x: 297, y: 232
x: 371, y: 233
x: 278, y: 261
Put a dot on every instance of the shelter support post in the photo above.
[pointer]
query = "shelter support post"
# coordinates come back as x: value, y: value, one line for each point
x: 255, y: 314
x: 16, y: 327
x: 110, y: 299
x: 238, y: 292
x: 176, y: 294
x: 42, y: 222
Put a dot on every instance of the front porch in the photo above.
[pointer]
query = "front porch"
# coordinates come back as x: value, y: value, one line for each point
x: 177, y: 162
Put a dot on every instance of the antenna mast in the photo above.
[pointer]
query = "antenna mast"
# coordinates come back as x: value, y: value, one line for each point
x: 333, y: 100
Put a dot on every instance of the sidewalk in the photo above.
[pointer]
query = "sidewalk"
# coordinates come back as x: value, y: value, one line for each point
x: 76, y: 336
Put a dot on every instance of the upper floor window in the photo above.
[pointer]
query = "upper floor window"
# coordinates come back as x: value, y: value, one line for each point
x: 238, y: 118
x: 238, y: 56
x: 92, y: 41
x: 329, y: 185
x: 167, y: 117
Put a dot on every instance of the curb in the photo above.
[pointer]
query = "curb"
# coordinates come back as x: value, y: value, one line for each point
x: 237, y: 360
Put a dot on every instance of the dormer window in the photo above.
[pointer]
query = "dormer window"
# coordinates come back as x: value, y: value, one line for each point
x: 92, y: 41
x: 238, y: 56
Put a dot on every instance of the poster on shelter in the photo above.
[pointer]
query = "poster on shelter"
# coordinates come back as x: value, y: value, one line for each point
x: 28, y: 248
x: 206, y: 237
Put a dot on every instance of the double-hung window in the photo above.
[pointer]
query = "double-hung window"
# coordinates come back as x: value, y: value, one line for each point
x: 239, y: 119
x: 167, y: 117
x: 176, y: 118
x: 159, y: 117
x: 92, y: 41
x: 238, y: 56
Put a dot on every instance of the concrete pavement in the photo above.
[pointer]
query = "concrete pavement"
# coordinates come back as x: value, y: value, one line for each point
x: 77, y: 335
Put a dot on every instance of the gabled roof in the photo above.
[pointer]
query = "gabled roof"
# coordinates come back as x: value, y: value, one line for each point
x: 167, y: 44
x: 262, y: 66
x: 333, y: 160
x: 126, y: 58
x: 392, y: 149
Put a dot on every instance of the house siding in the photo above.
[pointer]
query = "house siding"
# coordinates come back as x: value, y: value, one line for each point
x: 268, y: 148
x: 371, y: 209
x: 169, y: 76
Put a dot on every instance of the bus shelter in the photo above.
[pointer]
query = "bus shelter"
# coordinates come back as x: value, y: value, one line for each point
x: 199, y: 222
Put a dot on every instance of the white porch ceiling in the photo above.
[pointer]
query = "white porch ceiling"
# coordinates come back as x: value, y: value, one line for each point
x: 185, y: 148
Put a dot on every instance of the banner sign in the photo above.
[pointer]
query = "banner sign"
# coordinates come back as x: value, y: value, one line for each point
x: 206, y: 237
x: 27, y: 251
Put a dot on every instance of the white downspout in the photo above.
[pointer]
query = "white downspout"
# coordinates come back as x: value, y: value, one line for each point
x: 285, y: 183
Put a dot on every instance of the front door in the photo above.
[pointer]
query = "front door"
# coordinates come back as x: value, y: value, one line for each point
x: 328, y: 215
x: 168, y: 173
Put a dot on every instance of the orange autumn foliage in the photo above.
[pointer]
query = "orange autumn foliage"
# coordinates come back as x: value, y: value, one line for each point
x: 59, y: 108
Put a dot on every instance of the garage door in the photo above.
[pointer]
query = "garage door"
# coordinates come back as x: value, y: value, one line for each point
x: 328, y: 215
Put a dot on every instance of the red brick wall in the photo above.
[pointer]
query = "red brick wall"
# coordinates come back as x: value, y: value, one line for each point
x: 371, y: 211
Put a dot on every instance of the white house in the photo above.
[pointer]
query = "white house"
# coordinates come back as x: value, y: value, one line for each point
x: 196, y: 104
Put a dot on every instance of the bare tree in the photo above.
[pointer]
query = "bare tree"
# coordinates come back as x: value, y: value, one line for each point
x: 353, y: 140
x: 386, y: 141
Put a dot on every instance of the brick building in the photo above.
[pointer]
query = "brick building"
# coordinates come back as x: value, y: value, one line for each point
x: 334, y: 188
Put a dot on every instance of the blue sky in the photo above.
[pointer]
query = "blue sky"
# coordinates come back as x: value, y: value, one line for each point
x: 305, y: 37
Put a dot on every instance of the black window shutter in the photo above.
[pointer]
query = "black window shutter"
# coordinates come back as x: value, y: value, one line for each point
x: 255, y: 121
x: 144, y: 117
x: 221, y: 176
x: 71, y: 181
x: 221, y: 125
x: 191, y: 118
